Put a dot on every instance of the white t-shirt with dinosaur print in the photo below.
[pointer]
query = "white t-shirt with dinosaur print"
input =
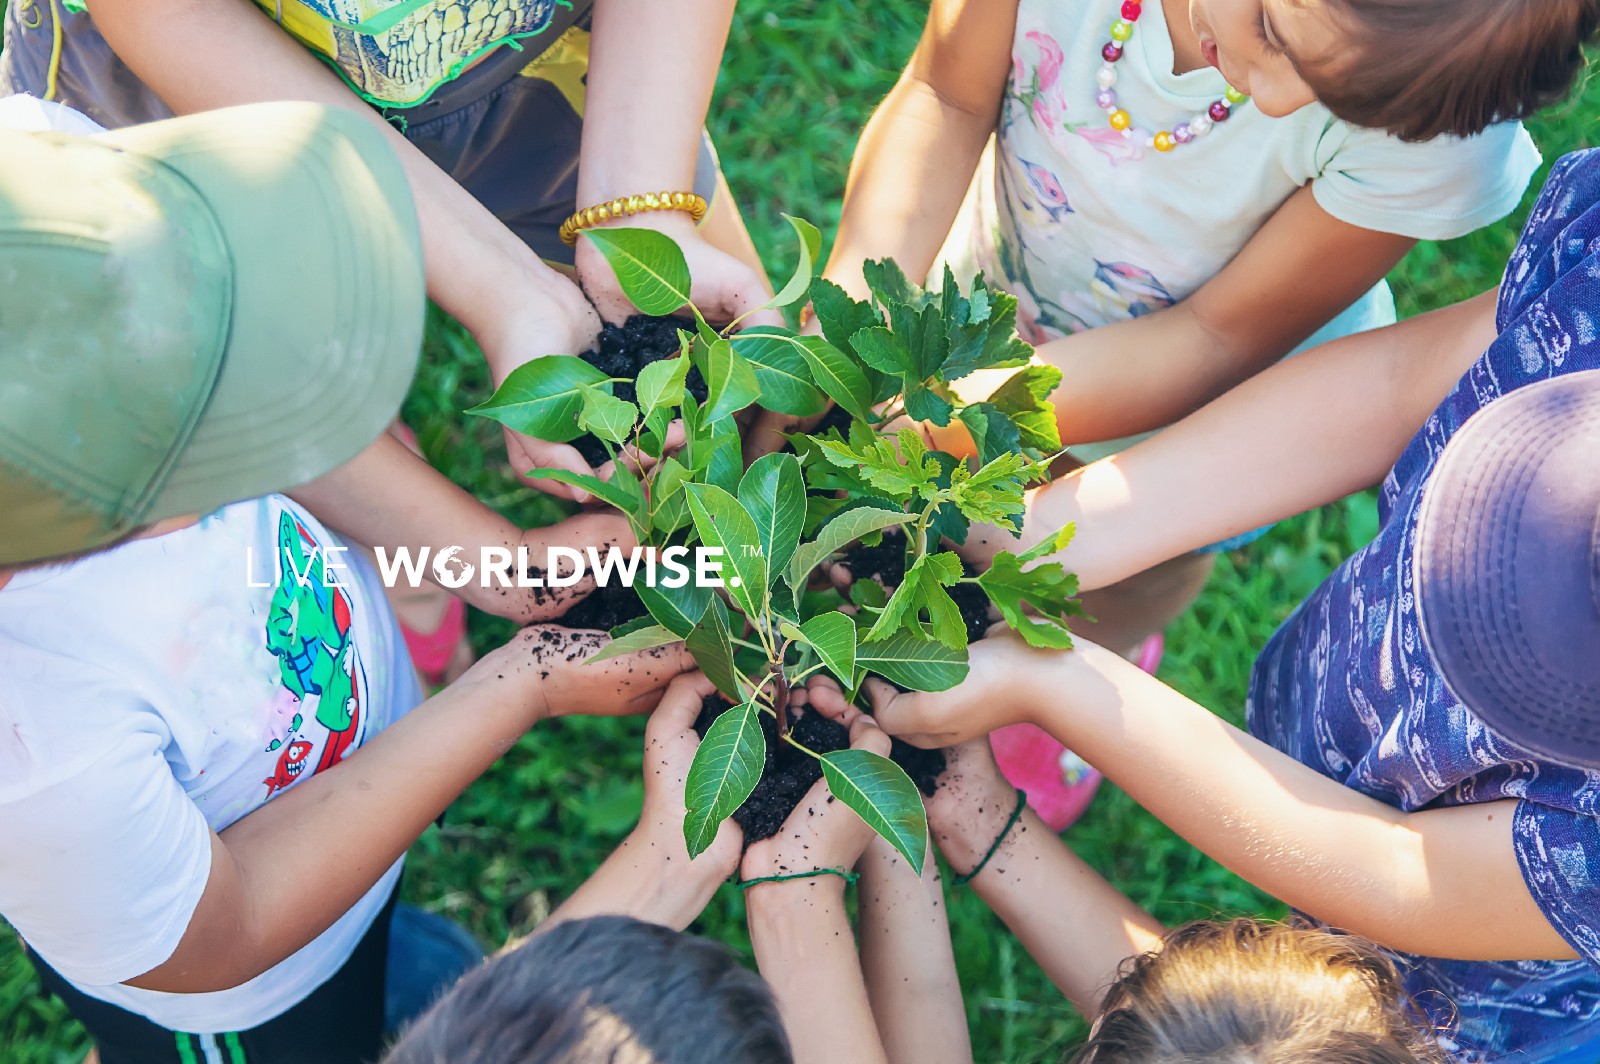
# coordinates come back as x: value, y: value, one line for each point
x: 160, y: 691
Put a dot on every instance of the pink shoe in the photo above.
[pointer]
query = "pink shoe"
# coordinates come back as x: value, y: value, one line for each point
x: 1059, y: 783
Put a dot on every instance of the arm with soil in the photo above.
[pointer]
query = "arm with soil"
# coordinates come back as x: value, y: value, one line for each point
x: 1303, y: 433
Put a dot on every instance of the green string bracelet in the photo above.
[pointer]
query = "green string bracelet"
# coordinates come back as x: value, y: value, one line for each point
x: 1016, y: 815
x: 848, y: 877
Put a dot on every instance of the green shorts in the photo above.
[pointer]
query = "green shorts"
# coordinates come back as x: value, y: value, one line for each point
x: 508, y: 129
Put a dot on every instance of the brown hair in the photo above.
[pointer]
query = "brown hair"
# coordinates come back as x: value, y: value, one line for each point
x: 1419, y: 70
x: 1252, y: 992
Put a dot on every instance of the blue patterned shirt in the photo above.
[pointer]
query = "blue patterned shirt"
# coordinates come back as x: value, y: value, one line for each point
x: 1347, y: 686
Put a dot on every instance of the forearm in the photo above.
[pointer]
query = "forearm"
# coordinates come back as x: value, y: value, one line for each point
x: 908, y: 961
x: 1442, y: 882
x: 262, y: 904
x: 1299, y: 435
x: 652, y: 67
x: 204, y: 54
x: 635, y: 881
x: 805, y: 951
x: 1075, y: 925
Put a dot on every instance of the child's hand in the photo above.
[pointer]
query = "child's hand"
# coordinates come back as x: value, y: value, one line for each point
x: 972, y: 804
x: 721, y: 286
x: 821, y: 832
x: 554, y: 661
x: 600, y: 529
x: 651, y: 876
x: 1000, y: 688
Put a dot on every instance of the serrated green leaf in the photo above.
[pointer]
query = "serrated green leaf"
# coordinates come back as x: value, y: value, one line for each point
x: 660, y: 384
x: 838, y: 533
x: 725, y: 769
x: 1025, y: 399
x: 840, y: 316
x: 1050, y: 544
x: 993, y: 433
x: 677, y: 609
x: 641, y: 639
x: 923, y: 590
x: 888, y: 283
x: 995, y: 493
x: 781, y: 371
x: 810, y: 250
x: 883, y: 795
x: 711, y: 643
x: 837, y: 374
x: 606, y: 416
x: 722, y: 522
x: 650, y: 267
x: 833, y: 636
x: 1048, y: 588
x: 925, y: 404
x: 542, y: 397
x: 884, y: 351
x: 774, y: 495
x: 913, y: 662
x: 730, y: 380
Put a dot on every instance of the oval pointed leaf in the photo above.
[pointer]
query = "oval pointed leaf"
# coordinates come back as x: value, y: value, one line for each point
x: 883, y: 795
x: 660, y: 384
x: 711, y: 643
x: 833, y: 636
x: 725, y: 770
x: 837, y: 374
x: 913, y: 662
x: 844, y: 529
x: 607, y: 416
x: 652, y: 635
x: 650, y: 267
x: 785, y: 380
x: 543, y: 397
x: 774, y: 494
x: 730, y: 380
x: 810, y: 251
x: 678, y: 609
x: 722, y: 522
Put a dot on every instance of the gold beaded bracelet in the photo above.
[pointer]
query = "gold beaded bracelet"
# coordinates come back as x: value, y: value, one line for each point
x: 589, y: 217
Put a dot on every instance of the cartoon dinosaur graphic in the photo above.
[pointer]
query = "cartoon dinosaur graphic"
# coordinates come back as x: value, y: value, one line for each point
x: 308, y: 631
x: 290, y: 764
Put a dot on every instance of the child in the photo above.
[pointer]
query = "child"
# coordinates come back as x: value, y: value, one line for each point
x: 213, y: 755
x: 1392, y: 784
x: 510, y: 117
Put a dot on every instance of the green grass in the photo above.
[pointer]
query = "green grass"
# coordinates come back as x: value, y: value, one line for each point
x: 799, y: 79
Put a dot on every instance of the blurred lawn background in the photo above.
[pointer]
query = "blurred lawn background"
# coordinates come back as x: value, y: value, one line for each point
x: 799, y: 80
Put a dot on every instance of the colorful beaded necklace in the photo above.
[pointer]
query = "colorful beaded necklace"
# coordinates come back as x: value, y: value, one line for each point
x: 1106, y: 98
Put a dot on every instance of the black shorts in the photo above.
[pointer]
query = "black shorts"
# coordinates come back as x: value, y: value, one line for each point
x: 341, y: 1022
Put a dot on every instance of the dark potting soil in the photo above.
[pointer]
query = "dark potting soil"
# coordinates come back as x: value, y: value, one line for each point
x: 623, y: 351
x: 790, y: 773
x: 887, y: 563
x: 605, y: 608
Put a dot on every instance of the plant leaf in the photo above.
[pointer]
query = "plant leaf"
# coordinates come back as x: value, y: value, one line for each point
x: 711, y: 643
x: 1025, y: 399
x: 913, y: 662
x: 840, y: 316
x: 730, y: 378
x: 774, y: 494
x: 925, y: 404
x: 722, y: 522
x: 833, y: 636
x: 725, y: 769
x: 677, y: 609
x: 640, y: 639
x: 660, y: 384
x: 810, y: 251
x: 607, y: 416
x: 1050, y: 544
x: 650, y: 268
x: 883, y: 795
x: 924, y: 589
x: 622, y: 490
x: 838, y: 375
x: 542, y: 397
x: 781, y: 371
x: 889, y: 285
x: 844, y: 529
x: 987, y: 339
x: 993, y: 432
x: 1048, y: 588
x: 884, y: 351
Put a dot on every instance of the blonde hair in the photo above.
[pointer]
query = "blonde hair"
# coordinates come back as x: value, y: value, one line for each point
x: 1252, y: 992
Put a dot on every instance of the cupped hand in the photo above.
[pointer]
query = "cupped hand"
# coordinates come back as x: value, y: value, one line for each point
x: 554, y: 661
x: 821, y: 832
x: 602, y: 530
